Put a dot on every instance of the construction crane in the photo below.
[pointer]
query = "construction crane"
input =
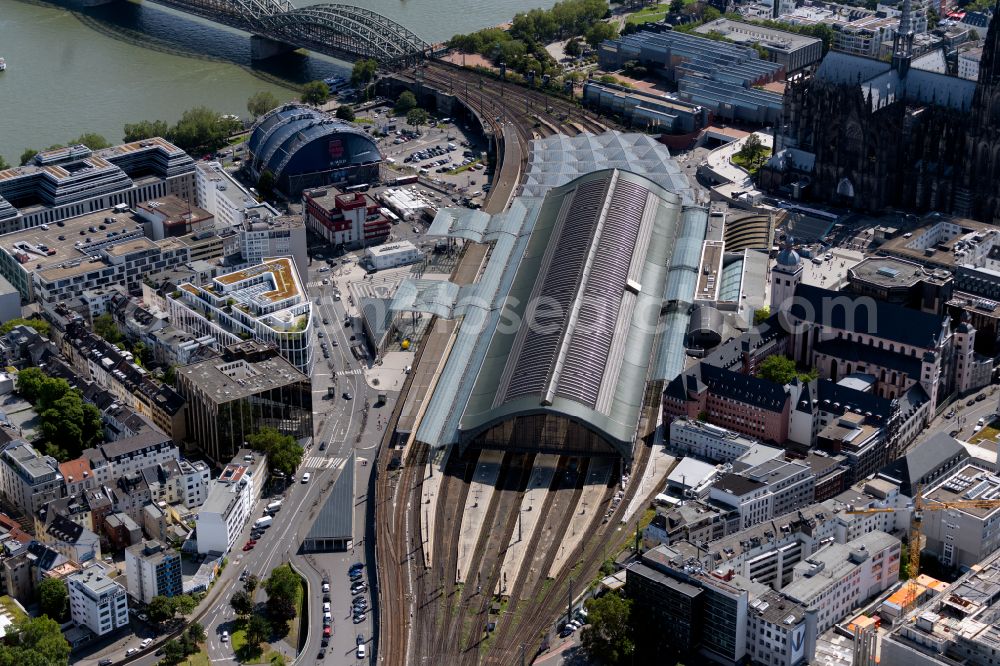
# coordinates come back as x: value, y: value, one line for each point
x: 916, y: 517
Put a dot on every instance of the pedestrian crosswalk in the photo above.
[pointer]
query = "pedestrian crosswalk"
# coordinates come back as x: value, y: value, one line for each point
x: 323, y: 462
x: 354, y: 371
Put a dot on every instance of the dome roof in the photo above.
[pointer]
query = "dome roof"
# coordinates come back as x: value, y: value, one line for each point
x: 789, y: 257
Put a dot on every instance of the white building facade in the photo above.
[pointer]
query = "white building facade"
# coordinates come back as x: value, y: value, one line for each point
x: 96, y: 601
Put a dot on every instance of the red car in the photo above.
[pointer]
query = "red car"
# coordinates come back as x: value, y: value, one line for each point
x: 327, y: 631
x: 248, y: 546
x: 252, y: 542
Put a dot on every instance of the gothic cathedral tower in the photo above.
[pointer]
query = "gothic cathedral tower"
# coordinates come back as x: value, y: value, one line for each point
x: 981, y: 180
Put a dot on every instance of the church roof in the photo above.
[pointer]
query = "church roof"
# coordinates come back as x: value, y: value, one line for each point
x: 921, y: 87
x: 840, y: 67
x: 789, y: 257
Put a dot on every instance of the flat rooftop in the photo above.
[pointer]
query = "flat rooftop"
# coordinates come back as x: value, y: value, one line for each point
x: 225, y: 381
x: 285, y: 280
x: 934, y: 243
x: 891, y: 272
x: 968, y: 482
x: 175, y: 210
x: 747, y: 33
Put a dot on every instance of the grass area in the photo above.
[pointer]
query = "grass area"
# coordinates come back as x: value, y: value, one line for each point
x: 199, y: 658
x: 988, y: 433
x: 455, y: 172
x: 647, y: 518
x: 649, y: 14
x: 246, y: 656
x: 750, y: 167
x: 11, y: 608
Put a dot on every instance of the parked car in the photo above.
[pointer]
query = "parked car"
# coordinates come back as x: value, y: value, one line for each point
x: 326, y: 586
x: 359, y: 618
x: 361, y: 651
x: 225, y: 636
x: 145, y: 643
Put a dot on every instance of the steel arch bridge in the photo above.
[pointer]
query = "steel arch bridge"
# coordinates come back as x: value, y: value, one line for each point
x: 341, y: 31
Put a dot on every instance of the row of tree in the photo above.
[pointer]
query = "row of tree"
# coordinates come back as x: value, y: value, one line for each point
x: 284, y: 454
x: 283, y: 588
x: 69, y: 424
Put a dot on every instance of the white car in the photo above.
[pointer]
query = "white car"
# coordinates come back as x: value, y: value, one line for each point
x: 145, y: 643
x: 326, y: 606
x: 225, y: 636
x: 306, y: 477
x: 361, y: 651
x: 326, y: 587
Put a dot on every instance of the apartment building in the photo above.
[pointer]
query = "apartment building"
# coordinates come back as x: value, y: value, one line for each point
x: 230, y: 502
x: 27, y: 478
x: 152, y: 569
x: 96, y: 601
x: 707, y: 441
x: 767, y: 490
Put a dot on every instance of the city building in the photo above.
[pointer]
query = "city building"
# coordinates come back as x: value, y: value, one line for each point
x: 68, y: 182
x: 968, y: 63
x: 391, y: 255
x: 958, y: 625
x: 840, y: 577
x: 345, y: 220
x: 27, y: 478
x: 645, y: 109
x: 10, y: 301
x: 266, y: 302
x: 230, y: 503
x: 57, y: 262
x: 172, y: 217
x: 702, y: 439
x: 765, y: 491
x: 862, y: 133
x: 790, y: 50
x: 152, y: 569
x: 225, y: 198
x: 97, y: 602
x: 233, y: 396
x: 261, y: 236
x: 962, y: 537
x: 718, y: 76
x: 303, y: 147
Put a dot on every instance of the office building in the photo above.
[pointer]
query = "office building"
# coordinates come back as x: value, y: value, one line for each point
x: 704, y: 440
x: 391, y: 255
x: 96, y: 601
x: 962, y: 537
x: 152, y: 569
x: 230, y: 503
x: 68, y: 182
x: 347, y: 220
x: 172, y: 217
x: 839, y: 578
x: 791, y: 50
x: 767, y: 490
x: 261, y: 236
x: 58, y: 262
x: 233, y: 396
x: 266, y: 302
x: 27, y: 478
x: 644, y: 109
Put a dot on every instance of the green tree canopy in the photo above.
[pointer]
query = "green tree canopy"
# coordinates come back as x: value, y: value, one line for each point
x: 40, y: 325
x: 53, y: 598
x: 573, y: 47
x: 265, y: 183
x: 345, y: 112
x: 599, y: 32
x: 405, y: 102
x: 283, y: 453
x: 261, y: 102
x: 39, y: 642
x: 145, y: 129
x: 761, y: 314
x: 710, y: 13
x: 782, y: 370
x: 258, y: 631
x: 315, y: 93
x: 283, y: 587
x: 608, y: 635
x: 28, y: 155
x: 416, y: 117
x: 184, y: 604
x: 676, y: 6
x: 4, y: 164
x: 105, y: 326
x: 195, y: 632
x: 160, y: 609
x: 242, y: 603
x: 92, y: 140
x: 200, y: 128
x: 364, y: 71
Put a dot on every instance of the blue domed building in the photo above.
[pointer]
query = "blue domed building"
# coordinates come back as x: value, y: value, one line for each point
x: 304, y: 147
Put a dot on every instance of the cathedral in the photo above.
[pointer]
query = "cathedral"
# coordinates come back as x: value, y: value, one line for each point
x: 873, y: 135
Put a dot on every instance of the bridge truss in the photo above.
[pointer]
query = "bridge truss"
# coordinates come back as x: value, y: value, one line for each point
x: 341, y: 31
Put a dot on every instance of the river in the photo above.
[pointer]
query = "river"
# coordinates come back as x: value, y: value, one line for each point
x: 73, y: 70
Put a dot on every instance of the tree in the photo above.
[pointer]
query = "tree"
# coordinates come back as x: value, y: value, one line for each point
x: 265, y: 183
x: 145, y: 129
x: 760, y: 315
x: 250, y: 584
x: 184, y: 604
x: 29, y: 383
x: 200, y: 128
x: 573, y: 47
x: 405, y: 102
x: 170, y: 374
x: 781, y: 370
x: 676, y: 6
x: 709, y: 14
x: 28, y: 155
x: 195, y: 632
x: 315, y: 93
x: 41, y: 326
x: 4, y: 164
x: 416, y: 118
x: 258, y: 631
x: 345, y: 112
x: 261, y: 102
x: 282, y: 587
x: 242, y: 603
x: 283, y: 453
x: 92, y: 140
x: 53, y: 598
x: 599, y: 32
x: 39, y: 643
x: 753, y: 152
x: 160, y: 609
x: 608, y: 636
x: 105, y: 326
x: 363, y: 73
x: 174, y: 651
